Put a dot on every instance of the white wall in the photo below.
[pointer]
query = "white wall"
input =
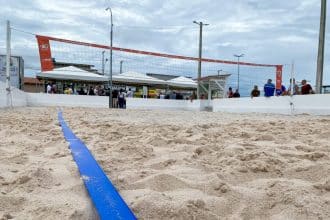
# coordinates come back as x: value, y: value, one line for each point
x: 137, y: 103
x: 310, y: 104
x: 19, y: 98
x: 42, y: 99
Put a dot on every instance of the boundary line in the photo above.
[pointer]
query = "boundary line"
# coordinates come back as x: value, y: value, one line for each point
x: 107, y: 201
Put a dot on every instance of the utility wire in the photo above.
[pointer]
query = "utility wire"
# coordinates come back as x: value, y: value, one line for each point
x: 22, y: 31
x: 158, y: 27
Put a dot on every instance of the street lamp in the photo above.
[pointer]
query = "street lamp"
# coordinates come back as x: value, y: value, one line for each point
x: 103, y: 62
x: 121, y: 66
x: 238, y: 57
x: 110, y: 63
x: 201, y: 24
x: 219, y: 71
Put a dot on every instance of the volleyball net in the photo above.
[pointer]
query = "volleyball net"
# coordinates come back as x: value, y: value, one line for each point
x: 54, y: 51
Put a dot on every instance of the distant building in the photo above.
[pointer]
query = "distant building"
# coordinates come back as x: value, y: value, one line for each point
x: 326, y: 89
x: 33, y: 85
x: 16, y: 70
x: 87, y: 67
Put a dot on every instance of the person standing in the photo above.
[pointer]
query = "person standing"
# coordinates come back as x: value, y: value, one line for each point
x: 255, y: 92
x: 121, y: 98
x: 281, y: 91
x: 115, y: 98
x: 49, y: 88
x: 54, y: 88
x: 193, y: 96
x: 294, y: 86
x: 236, y: 94
x: 306, y: 88
x: 269, y: 88
x: 230, y: 93
x: 91, y: 91
x: 129, y: 93
x: 161, y: 96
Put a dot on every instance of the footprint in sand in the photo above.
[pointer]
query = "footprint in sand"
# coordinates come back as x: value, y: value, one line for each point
x: 163, y: 164
x: 161, y: 183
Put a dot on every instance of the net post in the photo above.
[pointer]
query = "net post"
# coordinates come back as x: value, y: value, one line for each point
x: 8, y: 56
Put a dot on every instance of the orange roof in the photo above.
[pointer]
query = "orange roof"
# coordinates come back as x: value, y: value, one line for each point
x: 30, y: 80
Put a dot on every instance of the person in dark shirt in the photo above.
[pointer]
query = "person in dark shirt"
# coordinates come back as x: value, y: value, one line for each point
x: 193, y: 96
x: 91, y: 91
x: 269, y: 88
x: 81, y: 91
x: 121, y: 98
x: 179, y: 96
x: 115, y: 98
x: 236, y: 94
x: 306, y: 88
x: 255, y: 92
x: 230, y: 93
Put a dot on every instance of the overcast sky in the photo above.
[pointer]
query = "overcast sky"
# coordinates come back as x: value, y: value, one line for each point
x: 271, y: 32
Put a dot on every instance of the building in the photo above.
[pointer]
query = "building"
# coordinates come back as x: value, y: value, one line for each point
x: 87, y: 67
x: 81, y: 79
x: 16, y: 70
x: 33, y: 85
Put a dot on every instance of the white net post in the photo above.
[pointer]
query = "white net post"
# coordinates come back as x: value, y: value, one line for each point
x: 8, y: 90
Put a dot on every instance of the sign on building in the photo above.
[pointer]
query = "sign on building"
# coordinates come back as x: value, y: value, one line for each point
x: 16, y: 70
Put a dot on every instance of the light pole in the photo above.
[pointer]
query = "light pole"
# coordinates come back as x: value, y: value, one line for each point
x: 238, y: 57
x: 320, y: 56
x: 201, y: 24
x: 219, y: 71
x: 121, y: 66
x: 103, y: 62
x: 110, y: 63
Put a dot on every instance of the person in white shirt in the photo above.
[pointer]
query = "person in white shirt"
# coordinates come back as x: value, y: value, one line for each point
x: 49, y: 89
x: 129, y: 93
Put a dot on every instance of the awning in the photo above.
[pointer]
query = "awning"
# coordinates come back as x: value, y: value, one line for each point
x: 182, y: 82
x: 138, y: 78
x: 72, y: 73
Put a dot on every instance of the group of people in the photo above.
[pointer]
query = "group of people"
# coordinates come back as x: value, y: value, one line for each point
x: 270, y: 90
x: 51, y: 88
x: 119, y: 97
x: 231, y: 94
x: 69, y: 90
x: 172, y: 95
x: 97, y: 90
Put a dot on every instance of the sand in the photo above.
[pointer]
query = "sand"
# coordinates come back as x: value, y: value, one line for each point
x: 38, y: 178
x: 169, y: 164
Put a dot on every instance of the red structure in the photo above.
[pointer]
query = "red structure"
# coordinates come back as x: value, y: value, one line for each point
x: 47, y: 64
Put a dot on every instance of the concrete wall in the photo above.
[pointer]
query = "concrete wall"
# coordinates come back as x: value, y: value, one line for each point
x: 310, y: 104
x: 136, y: 103
x: 19, y: 98
x: 43, y: 99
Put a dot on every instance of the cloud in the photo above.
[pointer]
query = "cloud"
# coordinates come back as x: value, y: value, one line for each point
x: 266, y: 31
x: 293, y: 39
